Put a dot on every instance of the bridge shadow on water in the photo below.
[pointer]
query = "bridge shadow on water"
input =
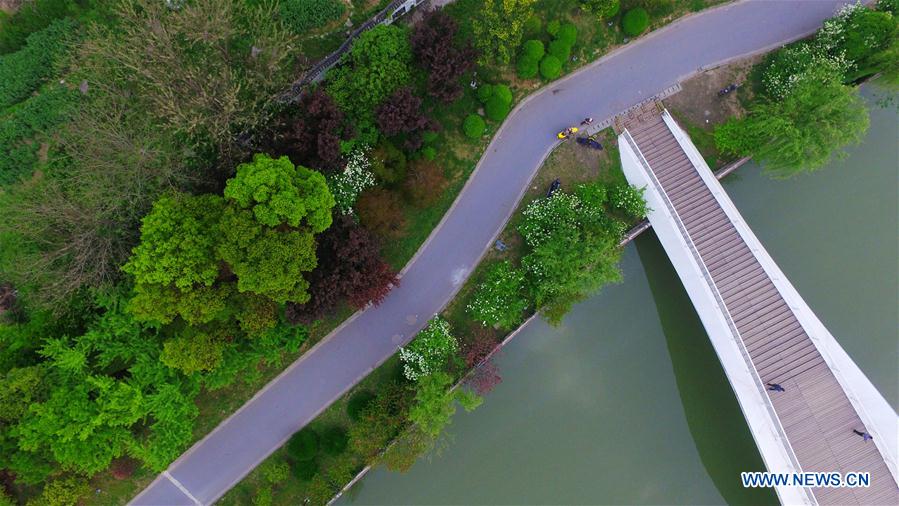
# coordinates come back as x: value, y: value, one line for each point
x: 714, y: 418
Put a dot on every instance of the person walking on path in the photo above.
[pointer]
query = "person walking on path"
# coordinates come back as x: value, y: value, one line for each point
x: 775, y: 387
x: 865, y: 436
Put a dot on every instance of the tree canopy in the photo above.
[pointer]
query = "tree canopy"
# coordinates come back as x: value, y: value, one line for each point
x: 278, y: 192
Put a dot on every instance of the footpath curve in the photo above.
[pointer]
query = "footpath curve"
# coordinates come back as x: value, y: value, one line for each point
x: 620, y: 79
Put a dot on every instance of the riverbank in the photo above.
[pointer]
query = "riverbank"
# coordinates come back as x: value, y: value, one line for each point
x: 552, y: 432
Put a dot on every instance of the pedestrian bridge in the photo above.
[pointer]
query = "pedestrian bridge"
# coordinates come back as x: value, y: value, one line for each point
x: 761, y: 329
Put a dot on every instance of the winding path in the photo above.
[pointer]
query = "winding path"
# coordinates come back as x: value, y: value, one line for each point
x: 630, y: 75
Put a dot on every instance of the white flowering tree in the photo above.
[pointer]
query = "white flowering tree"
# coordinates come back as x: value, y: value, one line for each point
x: 500, y: 299
x: 355, y: 178
x: 429, y: 351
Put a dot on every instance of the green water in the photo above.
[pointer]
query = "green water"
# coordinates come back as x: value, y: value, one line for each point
x: 626, y: 402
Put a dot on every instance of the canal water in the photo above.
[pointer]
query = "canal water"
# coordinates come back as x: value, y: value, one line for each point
x: 626, y: 403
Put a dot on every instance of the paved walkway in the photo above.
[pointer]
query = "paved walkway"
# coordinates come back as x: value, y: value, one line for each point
x: 637, y: 72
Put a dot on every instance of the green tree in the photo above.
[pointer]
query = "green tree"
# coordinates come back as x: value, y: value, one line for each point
x: 196, y: 305
x: 499, y: 26
x: 85, y: 421
x: 277, y: 192
x: 435, y: 403
x: 801, y: 132
x: 268, y: 262
x: 500, y: 299
x: 178, y: 241
x: 378, y: 64
x: 61, y: 492
x: 194, y: 351
x: 572, y: 249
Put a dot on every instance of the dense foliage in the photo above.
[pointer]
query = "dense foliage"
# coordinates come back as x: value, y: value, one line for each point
x: 436, y: 49
x: 499, y: 27
x: 429, y: 351
x: 501, y: 297
x: 806, y: 110
x: 302, y: 15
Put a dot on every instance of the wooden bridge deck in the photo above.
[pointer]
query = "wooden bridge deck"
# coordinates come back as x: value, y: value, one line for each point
x: 815, y: 412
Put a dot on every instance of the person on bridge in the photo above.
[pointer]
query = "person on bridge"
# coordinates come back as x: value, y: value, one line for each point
x: 775, y: 387
x: 865, y: 436
x: 586, y: 121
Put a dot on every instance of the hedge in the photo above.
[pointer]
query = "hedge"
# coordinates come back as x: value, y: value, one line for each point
x: 550, y: 67
x: 303, y: 445
x: 474, y: 126
x: 560, y: 49
x: 532, y: 49
x: 635, y: 22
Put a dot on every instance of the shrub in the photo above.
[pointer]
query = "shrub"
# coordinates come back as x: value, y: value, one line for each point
x: 305, y: 469
x: 497, y: 108
x: 429, y: 351
x: 503, y: 92
x: 550, y: 67
x: 603, y: 9
x: 334, y: 440
x: 560, y: 49
x: 303, y: 446
x: 380, y: 211
x: 303, y: 15
x: 499, y: 299
x: 425, y: 183
x: 355, y: 178
x: 274, y: 471
x: 533, y: 25
x: 357, y: 404
x: 474, y: 126
x: 553, y: 27
x: 635, y: 22
x: 533, y: 49
x: 263, y: 496
x: 567, y: 34
x: 388, y: 163
x: 888, y: 6
x: 429, y: 153
x: 629, y: 200
x: 527, y: 68
x: 485, y: 91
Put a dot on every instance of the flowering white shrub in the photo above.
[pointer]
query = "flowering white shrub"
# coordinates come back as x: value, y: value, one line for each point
x: 429, y: 351
x: 545, y: 217
x: 355, y: 178
x: 628, y: 199
x: 499, y: 299
x: 801, y: 62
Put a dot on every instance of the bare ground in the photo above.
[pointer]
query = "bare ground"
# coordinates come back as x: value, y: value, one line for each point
x: 699, y: 102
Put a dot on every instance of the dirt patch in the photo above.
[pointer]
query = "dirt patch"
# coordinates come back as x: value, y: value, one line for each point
x: 699, y: 101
